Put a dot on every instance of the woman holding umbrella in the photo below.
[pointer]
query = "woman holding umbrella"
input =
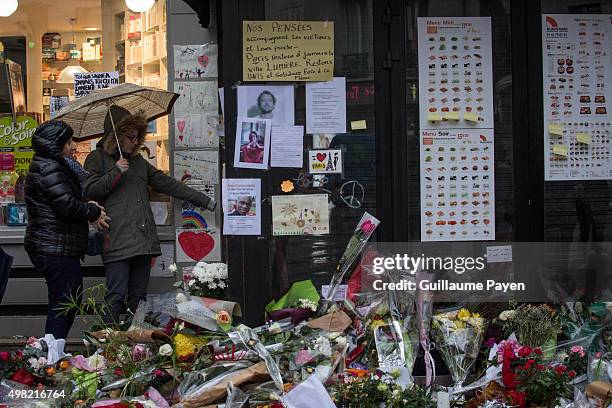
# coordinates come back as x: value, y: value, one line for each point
x: 120, y: 178
x: 56, y: 235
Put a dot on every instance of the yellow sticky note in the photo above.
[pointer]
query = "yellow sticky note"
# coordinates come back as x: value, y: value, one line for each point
x: 555, y: 129
x: 471, y: 117
x: 452, y: 116
x: 561, y: 150
x: 583, y: 137
x: 434, y: 117
x: 358, y: 125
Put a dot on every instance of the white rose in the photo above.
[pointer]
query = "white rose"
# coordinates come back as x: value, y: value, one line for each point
x: 165, y: 350
x: 172, y: 268
x: 274, y: 328
x: 180, y: 298
x: 341, y: 341
x: 34, y: 363
x: 506, y: 315
x: 96, y: 361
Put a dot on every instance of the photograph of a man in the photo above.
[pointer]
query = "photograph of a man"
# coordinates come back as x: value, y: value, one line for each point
x: 242, y: 206
x: 266, y: 102
x: 274, y: 102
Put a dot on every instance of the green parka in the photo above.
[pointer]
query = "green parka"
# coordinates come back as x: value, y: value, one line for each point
x: 132, y: 230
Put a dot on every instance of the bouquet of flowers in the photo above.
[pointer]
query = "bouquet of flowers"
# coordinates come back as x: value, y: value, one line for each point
x: 206, y: 280
x: 534, y: 325
x: 365, y: 228
x: 528, y: 380
x: 375, y: 389
x: 458, y: 335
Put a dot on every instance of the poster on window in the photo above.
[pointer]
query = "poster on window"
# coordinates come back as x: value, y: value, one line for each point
x: 87, y: 82
x: 196, y: 130
x: 300, y: 214
x: 195, y: 61
x: 197, y: 166
x: 241, y: 206
x: 457, y: 185
x: 455, y: 72
x: 577, y: 68
x: 196, y: 97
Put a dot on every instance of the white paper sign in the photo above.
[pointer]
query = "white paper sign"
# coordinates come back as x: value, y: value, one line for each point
x: 577, y: 72
x: 325, y: 161
x: 195, y: 61
x: 308, y: 394
x: 85, y: 83
x: 272, y: 102
x: 197, y: 166
x: 455, y: 72
x: 241, y: 206
x: 287, y: 146
x: 194, y: 245
x: 252, y: 146
x: 501, y: 253
x: 326, y: 106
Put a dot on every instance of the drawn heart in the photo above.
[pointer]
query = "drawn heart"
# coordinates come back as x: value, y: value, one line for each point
x: 196, y: 245
x: 203, y: 60
x: 181, y: 138
x: 321, y: 156
x: 181, y: 125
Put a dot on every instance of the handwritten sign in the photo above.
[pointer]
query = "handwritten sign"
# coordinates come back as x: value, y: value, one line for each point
x: 85, y: 83
x: 288, y: 50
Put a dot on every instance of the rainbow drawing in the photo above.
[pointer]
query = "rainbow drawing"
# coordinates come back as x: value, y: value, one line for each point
x: 193, y: 219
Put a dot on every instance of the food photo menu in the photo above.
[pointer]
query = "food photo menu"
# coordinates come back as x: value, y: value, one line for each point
x: 456, y: 129
x: 455, y: 72
x: 577, y: 67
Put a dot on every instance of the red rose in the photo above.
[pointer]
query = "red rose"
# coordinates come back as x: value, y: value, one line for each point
x: 525, y: 351
x: 560, y: 369
x: 5, y: 356
x: 23, y: 376
x: 118, y: 372
x: 571, y: 373
x: 538, y: 351
x: 540, y: 367
x: 529, y: 363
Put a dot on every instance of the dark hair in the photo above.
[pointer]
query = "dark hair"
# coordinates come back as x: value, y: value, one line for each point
x: 266, y: 93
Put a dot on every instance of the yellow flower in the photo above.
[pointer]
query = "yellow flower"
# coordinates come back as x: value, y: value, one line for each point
x: 187, y: 344
x: 476, y: 315
x: 463, y: 315
x: 377, y: 323
x: 459, y: 324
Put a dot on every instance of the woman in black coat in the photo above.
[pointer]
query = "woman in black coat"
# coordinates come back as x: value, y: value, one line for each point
x: 56, y: 235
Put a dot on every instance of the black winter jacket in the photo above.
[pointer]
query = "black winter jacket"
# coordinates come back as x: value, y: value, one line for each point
x: 57, y: 213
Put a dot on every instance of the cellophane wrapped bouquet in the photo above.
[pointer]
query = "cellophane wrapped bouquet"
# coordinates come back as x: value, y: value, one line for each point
x: 458, y: 335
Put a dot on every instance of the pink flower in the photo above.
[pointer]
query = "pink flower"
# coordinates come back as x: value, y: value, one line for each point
x: 490, y: 343
x: 368, y: 227
x: 578, y: 349
x: 303, y: 357
x: 140, y: 352
x: 4, y: 356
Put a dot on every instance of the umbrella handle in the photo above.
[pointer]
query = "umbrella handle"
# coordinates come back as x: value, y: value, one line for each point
x: 110, y: 113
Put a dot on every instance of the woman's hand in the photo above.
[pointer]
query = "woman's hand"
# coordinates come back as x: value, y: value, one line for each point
x: 123, y: 164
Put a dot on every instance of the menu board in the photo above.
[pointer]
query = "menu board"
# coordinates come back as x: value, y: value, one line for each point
x: 577, y: 68
x: 457, y: 185
x: 288, y: 50
x: 456, y: 122
x: 455, y: 72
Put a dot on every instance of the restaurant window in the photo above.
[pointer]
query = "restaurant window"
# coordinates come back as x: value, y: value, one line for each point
x: 579, y: 210
x: 294, y: 258
x: 44, y: 44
